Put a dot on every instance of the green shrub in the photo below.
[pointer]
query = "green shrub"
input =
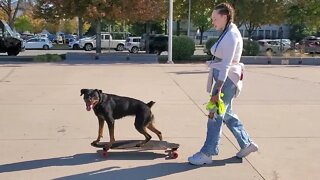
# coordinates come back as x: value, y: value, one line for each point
x: 49, y: 58
x: 183, y: 48
x: 250, y: 48
x: 63, y: 56
x: 210, y: 42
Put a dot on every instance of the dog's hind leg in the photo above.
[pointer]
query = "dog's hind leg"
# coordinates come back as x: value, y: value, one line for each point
x: 155, y: 130
x: 141, y: 128
x: 146, y: 135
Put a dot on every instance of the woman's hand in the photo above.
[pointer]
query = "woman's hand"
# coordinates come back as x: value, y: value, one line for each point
x: 215, y: 98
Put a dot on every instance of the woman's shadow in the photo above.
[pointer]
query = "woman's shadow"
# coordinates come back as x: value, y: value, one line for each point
x: 142, y: 172
x: 147, y: 172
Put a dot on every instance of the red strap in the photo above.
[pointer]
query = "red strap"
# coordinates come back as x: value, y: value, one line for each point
x: 241, y: 76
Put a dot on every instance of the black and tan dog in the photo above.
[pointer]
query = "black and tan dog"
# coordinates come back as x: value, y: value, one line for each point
x: 109, y: 107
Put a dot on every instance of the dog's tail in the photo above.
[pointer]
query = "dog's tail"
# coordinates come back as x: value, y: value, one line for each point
x: 150, y: 104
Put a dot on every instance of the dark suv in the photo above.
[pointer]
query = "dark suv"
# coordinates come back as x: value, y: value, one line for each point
x: 157, y: 43
x: 9, y: 42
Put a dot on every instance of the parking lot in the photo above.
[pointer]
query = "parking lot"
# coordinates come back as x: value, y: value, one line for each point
x: 198, y: 51
x: 45, y: 130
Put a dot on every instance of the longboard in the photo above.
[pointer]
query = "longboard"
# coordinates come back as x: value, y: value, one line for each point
x: 170, y: 148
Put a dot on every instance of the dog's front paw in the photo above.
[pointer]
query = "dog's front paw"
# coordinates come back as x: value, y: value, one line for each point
x: 95, y: 142
x: 140, y: 144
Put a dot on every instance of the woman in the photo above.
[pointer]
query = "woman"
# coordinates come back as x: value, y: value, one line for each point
x: 226, y: 70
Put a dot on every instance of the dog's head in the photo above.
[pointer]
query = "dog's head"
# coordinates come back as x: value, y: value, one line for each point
x: 91, y: 97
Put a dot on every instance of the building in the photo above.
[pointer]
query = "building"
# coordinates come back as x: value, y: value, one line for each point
x: 268, y: 31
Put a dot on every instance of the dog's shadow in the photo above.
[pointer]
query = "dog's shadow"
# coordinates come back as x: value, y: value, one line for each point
x: 148, y: 171
x: 79, y: 159
x: 142, y: 172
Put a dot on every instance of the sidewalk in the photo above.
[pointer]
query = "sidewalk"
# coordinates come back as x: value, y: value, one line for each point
x: 45, y: 130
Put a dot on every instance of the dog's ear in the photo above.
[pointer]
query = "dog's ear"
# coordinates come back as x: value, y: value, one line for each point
x: 83, y: 91
x: 98, y: 90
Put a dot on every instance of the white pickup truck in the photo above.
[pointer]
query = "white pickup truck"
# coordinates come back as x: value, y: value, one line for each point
x: 115, y: 40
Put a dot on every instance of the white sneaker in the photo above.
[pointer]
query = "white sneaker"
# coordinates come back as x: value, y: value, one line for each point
x: 246, y: 151
x: 200, y: 159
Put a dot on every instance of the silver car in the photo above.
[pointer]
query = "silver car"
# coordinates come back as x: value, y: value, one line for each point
x: 272, y: 46
x: 132, y: 44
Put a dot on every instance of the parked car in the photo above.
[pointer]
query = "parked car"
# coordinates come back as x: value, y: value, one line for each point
x: 285, y: 41
x: 26, y: 36
x: 115, y: 40
x: 52, y: 37
x: 68, y: 37
x: 311, y: 44
x: 272, y: 46
x: 38, y: 43
x: 9, y: 42
x: 74, y: 44
x: 158, y: 43
x: 132, y: 44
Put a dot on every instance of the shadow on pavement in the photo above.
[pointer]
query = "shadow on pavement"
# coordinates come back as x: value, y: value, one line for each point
x: 147, y: 172
x: 191, y: 72
x: 78, y: 159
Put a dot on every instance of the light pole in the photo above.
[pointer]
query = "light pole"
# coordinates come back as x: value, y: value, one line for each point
x: 189, y: 18
x: 170, y: 32
x: 281, y: 36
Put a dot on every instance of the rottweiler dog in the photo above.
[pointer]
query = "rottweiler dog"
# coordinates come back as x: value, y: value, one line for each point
x: 109, y: 107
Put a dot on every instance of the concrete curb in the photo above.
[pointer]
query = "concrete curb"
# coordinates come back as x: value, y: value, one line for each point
x: 153, y: 59
x: 280, y: 60
x: 16, y: 58
x: 114, y: 57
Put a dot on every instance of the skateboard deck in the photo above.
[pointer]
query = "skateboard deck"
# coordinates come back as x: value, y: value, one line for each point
x: 169, y: 148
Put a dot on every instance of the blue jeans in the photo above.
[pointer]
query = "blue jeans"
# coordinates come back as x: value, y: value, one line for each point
x: 214, y: 125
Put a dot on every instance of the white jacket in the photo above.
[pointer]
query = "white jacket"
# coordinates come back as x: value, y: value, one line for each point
x: 227, y: 61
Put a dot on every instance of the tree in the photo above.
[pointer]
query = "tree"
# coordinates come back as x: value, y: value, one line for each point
x: 255, y: 13
x: 98, y: 10
x: 69, y: 26
x: 180, y: 11
x: 304, y: 17
x: 145, y: 11
x: 10, y: 11
x: 2, y: 14
x: 52, y: 27
x: 23, y: 24
x: 95, y: 10
x: 201, y: 13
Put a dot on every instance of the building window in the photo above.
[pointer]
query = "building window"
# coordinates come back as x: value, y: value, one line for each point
x: 267, y: 34
x: 261, y: 34
x: 274, y: 34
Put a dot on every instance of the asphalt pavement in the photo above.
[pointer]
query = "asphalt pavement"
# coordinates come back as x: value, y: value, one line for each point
x: 45, y: 130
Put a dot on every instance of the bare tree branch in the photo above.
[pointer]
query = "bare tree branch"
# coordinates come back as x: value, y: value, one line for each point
x: 16, y: 10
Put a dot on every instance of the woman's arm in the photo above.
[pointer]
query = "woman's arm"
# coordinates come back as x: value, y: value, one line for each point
x: 228, y: 47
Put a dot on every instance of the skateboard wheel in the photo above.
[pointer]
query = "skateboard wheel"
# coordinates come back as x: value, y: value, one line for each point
x: 104, y: 153
x: 174, y: 155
